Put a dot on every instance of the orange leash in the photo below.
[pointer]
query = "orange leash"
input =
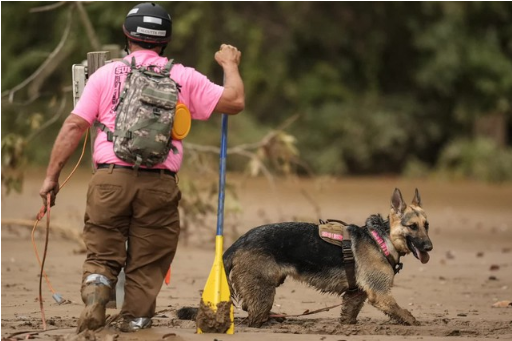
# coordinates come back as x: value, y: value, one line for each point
x: 168, y: 277
x: 48, y: 197
x: 46, y: 210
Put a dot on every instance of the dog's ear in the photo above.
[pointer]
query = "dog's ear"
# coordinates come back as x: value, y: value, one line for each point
x: 417, y: 199
x: 397, y: 202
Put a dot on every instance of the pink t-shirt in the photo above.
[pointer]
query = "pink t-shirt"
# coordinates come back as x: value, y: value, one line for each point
x: 103, y: 89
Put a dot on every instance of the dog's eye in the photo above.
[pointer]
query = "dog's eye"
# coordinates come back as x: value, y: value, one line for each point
x: 413, y: 227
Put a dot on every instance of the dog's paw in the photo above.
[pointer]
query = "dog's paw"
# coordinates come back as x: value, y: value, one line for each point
x: 416, y: 323
x: 347, y: 320
x: 409, y: 322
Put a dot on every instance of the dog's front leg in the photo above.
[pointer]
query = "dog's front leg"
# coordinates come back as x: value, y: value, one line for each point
x: 387, y: 304
x: 352, y: 302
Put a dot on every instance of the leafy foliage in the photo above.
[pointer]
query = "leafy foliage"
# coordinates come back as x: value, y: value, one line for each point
x: 477, y: 159
x: 381, y: 87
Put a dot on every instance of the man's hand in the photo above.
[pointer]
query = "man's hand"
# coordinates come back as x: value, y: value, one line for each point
x: 227, y: 55
x: 232, y: 100
x: 49, y: 186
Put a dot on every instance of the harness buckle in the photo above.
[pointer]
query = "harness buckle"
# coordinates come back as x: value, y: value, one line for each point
x: 348, y: 256
x: 398, y: 267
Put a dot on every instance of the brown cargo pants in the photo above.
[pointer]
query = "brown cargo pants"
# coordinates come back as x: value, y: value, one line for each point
x: 141, y: 208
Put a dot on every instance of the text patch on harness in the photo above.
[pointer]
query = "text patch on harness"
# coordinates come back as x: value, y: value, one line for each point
x: 333, y: 232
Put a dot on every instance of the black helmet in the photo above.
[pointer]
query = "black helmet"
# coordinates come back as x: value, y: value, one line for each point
x: 148, y: 23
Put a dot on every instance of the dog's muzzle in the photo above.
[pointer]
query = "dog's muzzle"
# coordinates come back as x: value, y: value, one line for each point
x: 420, y: 248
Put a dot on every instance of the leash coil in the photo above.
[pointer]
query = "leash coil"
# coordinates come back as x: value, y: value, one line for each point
x: 45, y: 210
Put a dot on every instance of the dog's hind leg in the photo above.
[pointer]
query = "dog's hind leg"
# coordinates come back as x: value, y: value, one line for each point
x: 255, y: 280
x: 387, y: 304
x: 352, y: 302
x: 259, y: 302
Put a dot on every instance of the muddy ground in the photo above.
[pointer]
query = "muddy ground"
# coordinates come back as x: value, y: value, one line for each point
x: 470, y: 268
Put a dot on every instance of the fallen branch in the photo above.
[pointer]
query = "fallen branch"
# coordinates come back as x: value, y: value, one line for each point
x: 64, y: 232
x: 307, y: 312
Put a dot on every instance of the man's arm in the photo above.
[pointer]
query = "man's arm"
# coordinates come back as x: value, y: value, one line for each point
x: 69, y: 136
x: 232, y: 100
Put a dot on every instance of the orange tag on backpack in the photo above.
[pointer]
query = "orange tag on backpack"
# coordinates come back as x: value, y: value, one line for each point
x: 182, y: 122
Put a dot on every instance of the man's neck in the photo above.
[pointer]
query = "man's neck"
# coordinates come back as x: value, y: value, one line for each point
x: 135, y: 48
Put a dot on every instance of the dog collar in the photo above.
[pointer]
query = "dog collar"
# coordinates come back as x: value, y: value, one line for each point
x: 396, y: 265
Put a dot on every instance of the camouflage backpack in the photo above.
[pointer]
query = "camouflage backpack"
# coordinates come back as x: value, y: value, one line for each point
x: 145, y: 116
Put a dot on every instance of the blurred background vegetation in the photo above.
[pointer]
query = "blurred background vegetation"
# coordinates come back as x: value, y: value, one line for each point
x: 418, y: 89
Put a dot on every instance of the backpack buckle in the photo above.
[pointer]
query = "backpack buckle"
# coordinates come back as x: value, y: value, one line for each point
x: 110, y: 136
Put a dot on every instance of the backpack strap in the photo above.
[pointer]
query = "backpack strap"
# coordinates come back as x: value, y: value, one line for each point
x: 134, y: 63
x: 167, y: 68
x: 110, y: 134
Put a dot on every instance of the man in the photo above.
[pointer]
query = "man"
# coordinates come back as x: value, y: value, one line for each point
x: 138, y: 206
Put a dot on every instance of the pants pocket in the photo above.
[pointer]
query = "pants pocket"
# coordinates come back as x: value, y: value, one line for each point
x: 107, y: 205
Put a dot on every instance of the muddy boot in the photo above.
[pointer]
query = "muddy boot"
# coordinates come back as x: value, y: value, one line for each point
x: 128, y: 325
x: 95, y: 294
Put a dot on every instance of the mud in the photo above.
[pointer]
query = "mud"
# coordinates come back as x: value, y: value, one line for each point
x: 210, y: 321
x: 456, y: 296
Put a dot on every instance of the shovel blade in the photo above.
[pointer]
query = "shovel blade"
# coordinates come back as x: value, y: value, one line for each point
x: 216, y: 295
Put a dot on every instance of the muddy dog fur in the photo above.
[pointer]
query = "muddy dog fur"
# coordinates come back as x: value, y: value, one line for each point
x: 260, y: 260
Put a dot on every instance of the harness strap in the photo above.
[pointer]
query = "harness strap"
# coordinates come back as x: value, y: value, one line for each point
x: 349, y: 264
x: 342, y: 238
x: 396, y: 265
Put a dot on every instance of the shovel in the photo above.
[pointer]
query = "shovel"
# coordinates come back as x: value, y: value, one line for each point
x: 215, y: 313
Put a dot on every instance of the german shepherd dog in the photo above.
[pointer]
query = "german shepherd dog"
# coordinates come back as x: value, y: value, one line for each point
x: 260, y: 260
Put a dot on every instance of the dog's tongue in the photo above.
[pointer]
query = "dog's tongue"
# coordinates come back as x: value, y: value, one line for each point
x: 424, y: 257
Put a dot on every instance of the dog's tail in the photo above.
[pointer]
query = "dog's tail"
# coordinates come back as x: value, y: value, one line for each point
x: 187, y: 313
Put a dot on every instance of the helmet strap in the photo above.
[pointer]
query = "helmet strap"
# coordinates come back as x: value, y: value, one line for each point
x: 162, y: 50
x: 126, y: 45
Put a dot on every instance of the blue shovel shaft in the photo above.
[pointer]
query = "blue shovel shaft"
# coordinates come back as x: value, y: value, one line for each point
x: 222, y: 173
